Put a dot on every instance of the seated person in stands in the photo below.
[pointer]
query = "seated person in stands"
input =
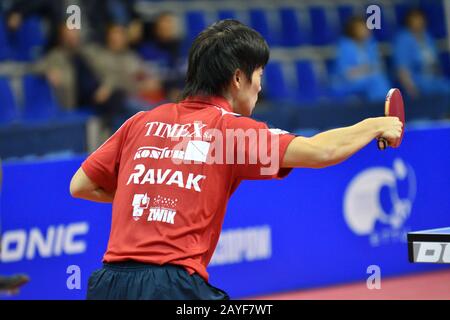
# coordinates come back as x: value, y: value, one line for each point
x: 122, y: 71
x: 358, y: 65
x: 61, y: 66
x: 69, y: 70
x: 416, y: 58
x: 99, y: 79
x: 162, y: 47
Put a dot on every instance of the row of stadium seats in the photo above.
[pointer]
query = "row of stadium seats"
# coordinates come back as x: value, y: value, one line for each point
x: 315, y: 25
x: 38, y: 100
x: 25, y: 44
x: 283, y: 27
x: 38, y: 105
x: 308, y: 82
x: 302, y: 81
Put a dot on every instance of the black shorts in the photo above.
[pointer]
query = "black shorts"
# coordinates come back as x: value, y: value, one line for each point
x: 138, y: 281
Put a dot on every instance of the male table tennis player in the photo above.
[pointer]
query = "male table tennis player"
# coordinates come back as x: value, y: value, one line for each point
x: 167, y: 216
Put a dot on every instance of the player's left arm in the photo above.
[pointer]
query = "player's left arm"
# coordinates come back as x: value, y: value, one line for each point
x: 334, y: 146
x: 81, y: 186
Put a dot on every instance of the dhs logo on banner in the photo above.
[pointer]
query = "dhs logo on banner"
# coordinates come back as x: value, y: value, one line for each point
x: 378, y: 201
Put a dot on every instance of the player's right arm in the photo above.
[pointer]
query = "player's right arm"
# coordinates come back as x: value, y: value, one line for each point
x: 96, y: 179
x: 334, y: 146
x: 81, y: 186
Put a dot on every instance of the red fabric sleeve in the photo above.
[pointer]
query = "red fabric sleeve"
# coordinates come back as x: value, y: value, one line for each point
x: 263, y: 149
x: 102, y: 166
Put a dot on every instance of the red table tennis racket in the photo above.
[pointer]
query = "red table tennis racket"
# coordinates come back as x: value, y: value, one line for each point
x: 393, y: 107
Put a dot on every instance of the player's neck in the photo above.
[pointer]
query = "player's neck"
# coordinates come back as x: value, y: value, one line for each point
x: 230, y: 100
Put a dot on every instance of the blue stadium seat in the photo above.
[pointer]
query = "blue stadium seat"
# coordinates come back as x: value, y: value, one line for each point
x: 327, y: 89
x: 260, y: 22
x: 435, y: 13
x: 39, y: 99
x: 308, y: 81
x: 400, y: 12
x: 226, y: 14
x: 30, y: 40
x: 345, y: 12
x: 4, y: 45
x: 275, y: 85
x: 8, y: 108
x: 330, y: 66
x: 322, y: 31
x: 195, y: 23
x: 292, y: 32
x: 445, y: 63
x: 386, y: 32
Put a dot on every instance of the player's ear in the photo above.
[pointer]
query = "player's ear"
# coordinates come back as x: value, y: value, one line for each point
x: 237, y: 78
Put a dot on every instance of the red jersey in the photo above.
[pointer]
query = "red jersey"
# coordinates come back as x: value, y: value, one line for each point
x: 173, y: 170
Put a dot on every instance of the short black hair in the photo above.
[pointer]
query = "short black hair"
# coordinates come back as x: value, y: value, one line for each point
x: 411, y: 13
x: 218, y: 51
x: 349, y: 27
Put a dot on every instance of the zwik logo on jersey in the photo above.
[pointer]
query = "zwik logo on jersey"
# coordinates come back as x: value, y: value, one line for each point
x: 162, y: 209
x: 140, y: 203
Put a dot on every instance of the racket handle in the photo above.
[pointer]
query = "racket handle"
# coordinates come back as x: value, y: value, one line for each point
x: 382, y: 143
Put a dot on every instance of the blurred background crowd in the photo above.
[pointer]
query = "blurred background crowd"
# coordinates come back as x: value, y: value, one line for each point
x: 66, y: 90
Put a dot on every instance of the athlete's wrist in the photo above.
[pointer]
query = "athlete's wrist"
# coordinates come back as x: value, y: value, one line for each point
x: 375, y: 126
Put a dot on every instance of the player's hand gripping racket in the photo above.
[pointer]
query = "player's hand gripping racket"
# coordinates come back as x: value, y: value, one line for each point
x: 393, y: 107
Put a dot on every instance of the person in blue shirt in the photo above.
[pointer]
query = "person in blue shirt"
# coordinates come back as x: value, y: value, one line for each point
x: 358, y: 67
x: 416, y: 58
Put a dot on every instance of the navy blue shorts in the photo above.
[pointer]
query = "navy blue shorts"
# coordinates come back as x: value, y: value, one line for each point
x: 138, y: 281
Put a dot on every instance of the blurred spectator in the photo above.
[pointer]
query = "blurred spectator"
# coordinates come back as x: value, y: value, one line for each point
x: 358, y: 64
x: 123, y: 74
x: 96, y: 14
x: 100, y: 13
x: 59, y: 65
x: 162, y: 48
x: 106, y: 80
x: 51, y: 11
x: 416, y: 58
x: 121, y: 11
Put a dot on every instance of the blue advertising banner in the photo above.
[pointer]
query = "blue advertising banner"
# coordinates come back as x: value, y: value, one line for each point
x: 314, y: 228
x: 46, y: 231
x: 328, y: 226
